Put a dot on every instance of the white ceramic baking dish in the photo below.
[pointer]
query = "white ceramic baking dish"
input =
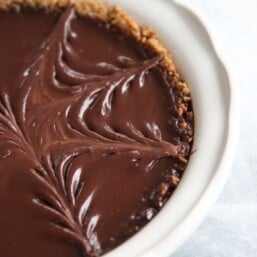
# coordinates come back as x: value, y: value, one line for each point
x: 216, y: 124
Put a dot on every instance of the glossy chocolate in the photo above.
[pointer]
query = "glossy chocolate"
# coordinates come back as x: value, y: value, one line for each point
x: 89, y: 137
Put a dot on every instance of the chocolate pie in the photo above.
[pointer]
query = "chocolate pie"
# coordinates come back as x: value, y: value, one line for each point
x: 96, y: 128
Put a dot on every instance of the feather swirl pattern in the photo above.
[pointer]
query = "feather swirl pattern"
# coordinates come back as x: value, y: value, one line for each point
x: 62, y: 117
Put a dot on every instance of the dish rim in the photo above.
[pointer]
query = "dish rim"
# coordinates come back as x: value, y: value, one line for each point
x: 219, y: 178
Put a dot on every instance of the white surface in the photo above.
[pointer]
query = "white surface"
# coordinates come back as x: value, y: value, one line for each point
x: 231, y: 227
x: 214, y: 140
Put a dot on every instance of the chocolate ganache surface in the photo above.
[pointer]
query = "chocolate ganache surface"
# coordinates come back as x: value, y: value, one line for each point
x: 90, y: 143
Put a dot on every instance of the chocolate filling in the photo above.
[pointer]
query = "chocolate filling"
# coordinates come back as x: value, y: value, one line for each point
x: 91, y: 145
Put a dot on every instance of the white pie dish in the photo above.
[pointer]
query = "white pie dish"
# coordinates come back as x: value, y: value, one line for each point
x: 215, y: 104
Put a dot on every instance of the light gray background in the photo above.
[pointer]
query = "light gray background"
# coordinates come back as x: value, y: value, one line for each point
x: 230, y: 230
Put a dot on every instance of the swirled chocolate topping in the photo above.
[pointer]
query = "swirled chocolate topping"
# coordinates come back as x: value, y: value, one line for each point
x: 91, y: 141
